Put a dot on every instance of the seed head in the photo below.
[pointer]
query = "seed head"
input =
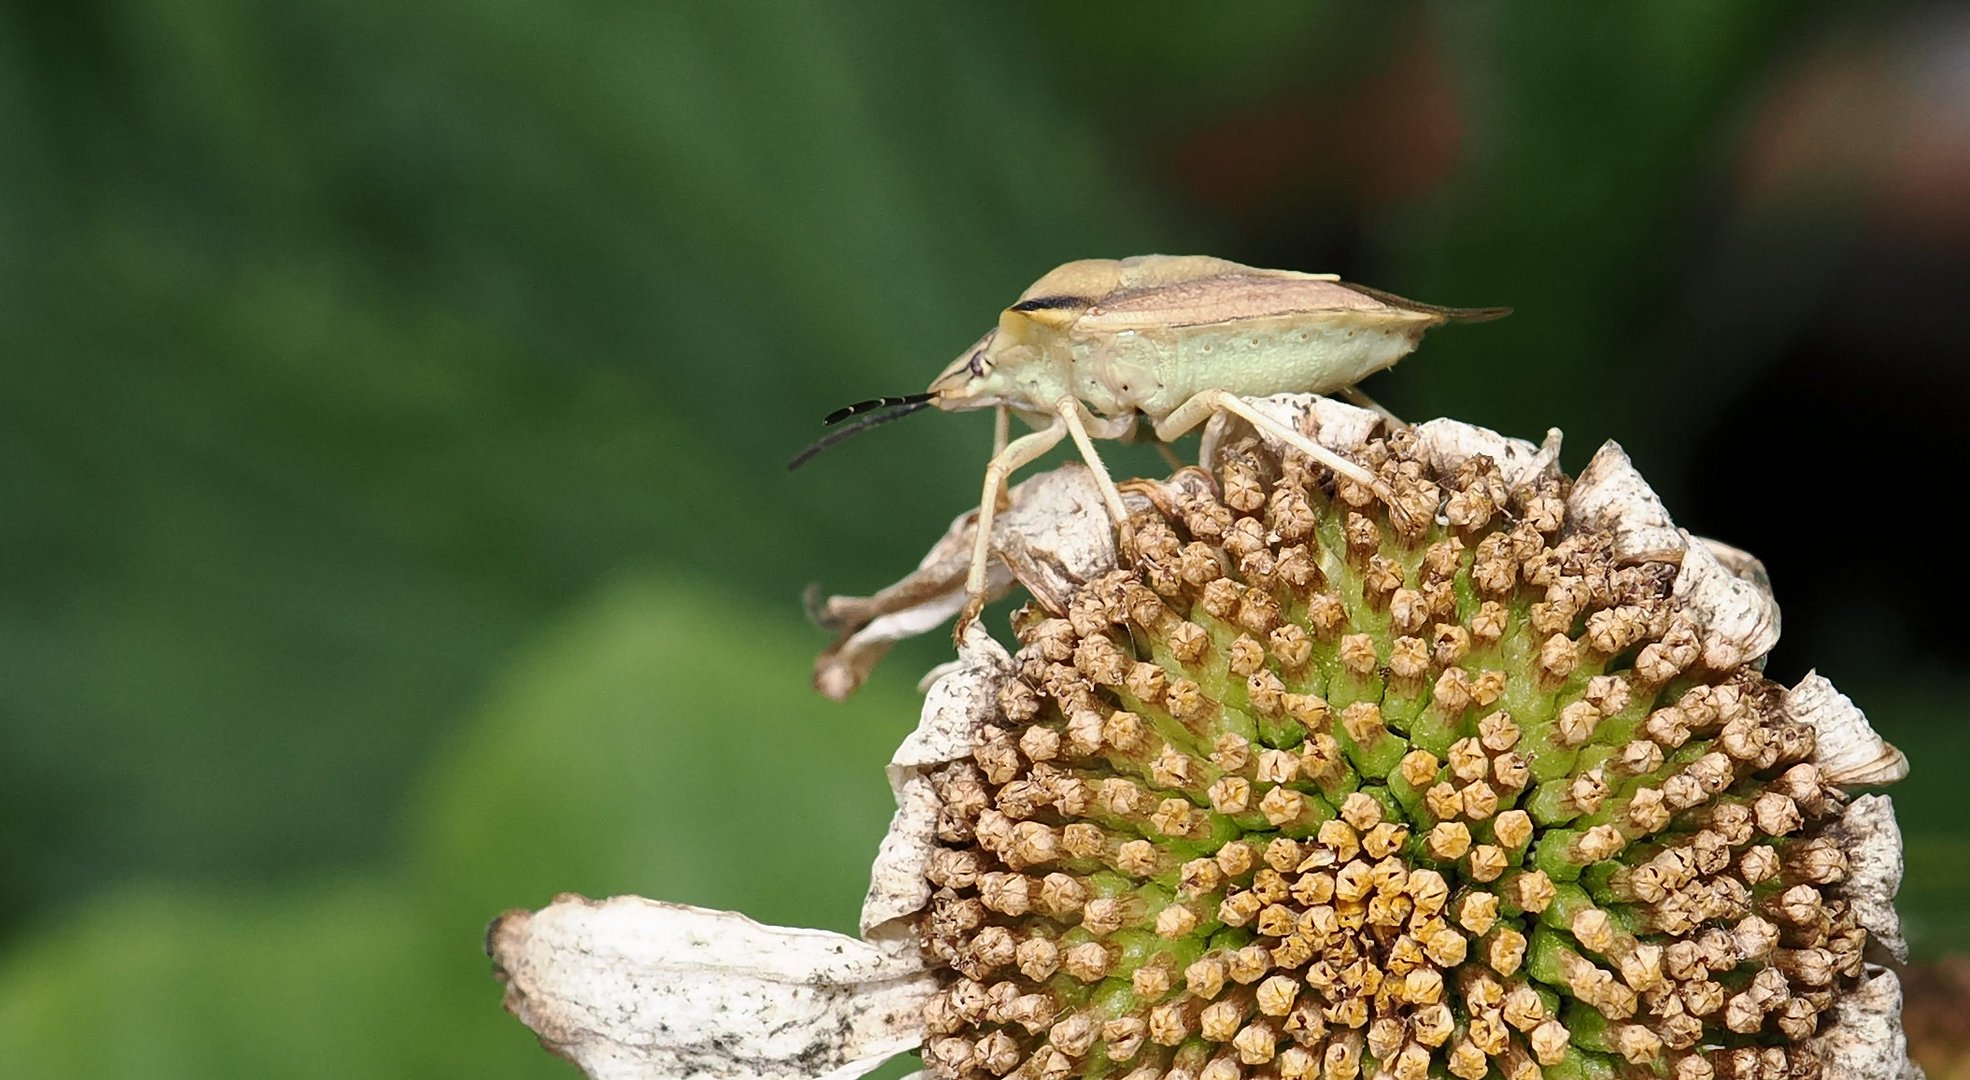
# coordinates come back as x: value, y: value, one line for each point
x: 1312, y: 820
x: 1474, y: 773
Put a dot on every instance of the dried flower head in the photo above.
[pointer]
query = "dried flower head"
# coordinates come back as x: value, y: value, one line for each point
x: 1482, y: 781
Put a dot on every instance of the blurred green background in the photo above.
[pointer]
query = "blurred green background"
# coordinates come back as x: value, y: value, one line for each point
x: 394, y: 401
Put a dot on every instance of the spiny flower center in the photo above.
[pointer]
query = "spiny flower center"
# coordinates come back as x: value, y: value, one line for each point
x: 1321, y: 789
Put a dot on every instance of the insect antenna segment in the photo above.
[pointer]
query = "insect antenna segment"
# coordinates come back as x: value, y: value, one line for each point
x: 905, y: 405
x: 861, y: 407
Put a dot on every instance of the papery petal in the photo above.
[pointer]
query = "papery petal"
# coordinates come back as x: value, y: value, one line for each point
x: 1333, y: 424
x: 1610, y: 495
x: 964, y: 699
x: 635, y: 989
x: 1864, y: 1041
x: 1746, y: 566
x: 845, y: 666
x: 1737, y: 619
x: 1053, y: 537
x: 897, y: 888
x: 1347, y: 428
x: 1057, y: 537
x: 1873, y: 842
x: 1847, y: 749
x: 1448, y: 444
x: 958, y: 704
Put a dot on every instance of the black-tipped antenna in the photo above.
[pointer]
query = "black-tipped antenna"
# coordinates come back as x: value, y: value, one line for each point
x: 916, y: 403
x: 861, y: 407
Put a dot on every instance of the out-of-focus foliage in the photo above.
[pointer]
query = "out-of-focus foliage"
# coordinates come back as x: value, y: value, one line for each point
x: 349, y: 347
x: 573, y: 777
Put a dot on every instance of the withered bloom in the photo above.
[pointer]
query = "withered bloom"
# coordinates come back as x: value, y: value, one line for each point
x: 1483, y: 782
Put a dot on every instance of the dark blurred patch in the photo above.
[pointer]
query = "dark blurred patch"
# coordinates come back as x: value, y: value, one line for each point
x: 1854, y: 432
x: 1392, y: 135
x: 1938, y: 1016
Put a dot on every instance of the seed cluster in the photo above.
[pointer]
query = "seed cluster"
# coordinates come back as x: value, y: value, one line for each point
x: 1332, y: 786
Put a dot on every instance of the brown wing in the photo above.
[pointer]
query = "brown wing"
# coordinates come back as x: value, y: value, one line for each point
x: 1450, y: 314
x: 1236, y: 297
x: 1167, y: 291
x: 1088, y: 281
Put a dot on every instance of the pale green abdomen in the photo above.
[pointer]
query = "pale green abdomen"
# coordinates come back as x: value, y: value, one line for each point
x: 1251, y: 358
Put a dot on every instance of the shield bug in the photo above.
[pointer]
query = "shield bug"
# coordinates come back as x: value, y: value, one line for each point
x: 1098, y: 345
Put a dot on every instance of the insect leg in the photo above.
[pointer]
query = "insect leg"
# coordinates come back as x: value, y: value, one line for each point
x: 1017, y: 453
x: 1001, y: 428
x: 1199, y: 408
x: 1077, y: 418
x: 1134, y: 432
x: 1394, y: 422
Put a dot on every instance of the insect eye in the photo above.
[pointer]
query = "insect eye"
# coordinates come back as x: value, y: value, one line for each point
x: 977, y: 364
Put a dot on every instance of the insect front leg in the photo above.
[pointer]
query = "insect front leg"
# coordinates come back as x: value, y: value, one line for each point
x: 1001, y: 429
x: 1080, y: 423
x: 1019, y: 452
x: 1199, y: 408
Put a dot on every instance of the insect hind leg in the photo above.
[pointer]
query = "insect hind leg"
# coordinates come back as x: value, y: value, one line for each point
x: 1203, y: 405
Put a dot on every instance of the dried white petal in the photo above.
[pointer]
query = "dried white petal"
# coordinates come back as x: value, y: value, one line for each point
x: 1449, y: 443
x: 1738, y: 561
x: 1053, y: 537
x: 957, y: 705
x: 1610, y: 495
x: 1864, y: 1041
x: 1056, y: 536
x: 897, y: 887
x: 1737, y: 619
x: 1847, y: 750
x: 1873, y: 843
x: 937, y: 672
x: 634, y: 989
x: 845, y: 666
x: 1335, y: 425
